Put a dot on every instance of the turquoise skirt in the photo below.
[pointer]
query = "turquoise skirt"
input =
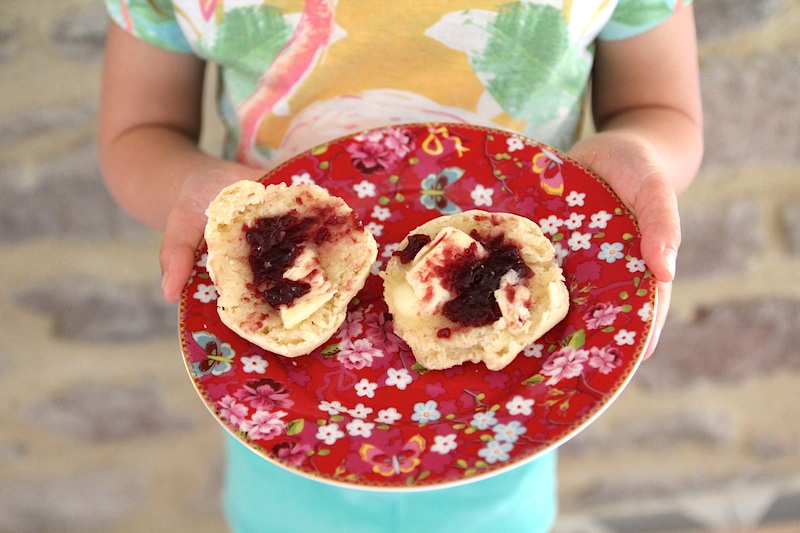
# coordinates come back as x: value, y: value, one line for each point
x: 260, y: 497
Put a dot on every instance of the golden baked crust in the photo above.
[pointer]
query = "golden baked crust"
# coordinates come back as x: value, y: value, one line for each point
x: 497, y: 343
x: 345, y: 255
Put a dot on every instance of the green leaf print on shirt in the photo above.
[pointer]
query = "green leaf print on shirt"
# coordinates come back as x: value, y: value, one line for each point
x: 249, y: 38
x: 641, y: 12
x: 531, y: 66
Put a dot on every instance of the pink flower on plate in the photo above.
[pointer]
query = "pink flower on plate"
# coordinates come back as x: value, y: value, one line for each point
x: 231, y: 410
x: 380, y: 331
x: 357, y: 354
x: 264, y: 425
x: 294, y: 454
x: 264, y: 394
x: 604, y: 359
x: 566, y: 363
x: 601, y: 315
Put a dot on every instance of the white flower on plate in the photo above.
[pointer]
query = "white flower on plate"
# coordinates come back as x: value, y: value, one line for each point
x: 388, y: 416
x: 444, y: 444
x: 302, y: 179
x: 364, y: 189
x: 610, y: 252
x: 365, y: 388
x: 574, y: 221
x: 374, y: 228
x: 579, y: 241
x: 519, y: 405
x: 495, y: 451
x: 509, y: 432
x: 600, y: 219
x: 332, y: 408
x: 399, y: 378
x: 329, y: 433
x: 515, y: 143
x: 360, y: 411
x: 483, y: 420
x: 646, y: 312
x: 575, y: 198
x: 376, y: 267
x: 550, y: 225
x: 425, y: 412
x: 381, y: 213
x: 625, y: 337
x: 561, y: 253
x: 254, y: 363
x: 360, y: 428
x: 533, y: 350
x: 482, y: 196
x: 636, y: 265
x: 390, y: 249
x: 205, y: 293
x: 203, y: 260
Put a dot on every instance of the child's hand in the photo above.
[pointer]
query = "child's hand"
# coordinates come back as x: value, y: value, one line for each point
x: 633, y: 170
x: 186, y: 223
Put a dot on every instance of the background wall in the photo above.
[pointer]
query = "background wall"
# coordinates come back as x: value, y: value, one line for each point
x: 101, y: 430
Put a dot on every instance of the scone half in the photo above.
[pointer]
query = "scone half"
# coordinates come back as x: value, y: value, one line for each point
x: 474, y: 286
x: 286, y: 261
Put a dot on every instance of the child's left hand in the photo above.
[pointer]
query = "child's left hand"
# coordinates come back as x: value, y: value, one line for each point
x: 630, y: 166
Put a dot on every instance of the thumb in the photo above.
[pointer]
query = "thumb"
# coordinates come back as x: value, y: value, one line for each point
x: 182, y: 235
x: 656, y: 208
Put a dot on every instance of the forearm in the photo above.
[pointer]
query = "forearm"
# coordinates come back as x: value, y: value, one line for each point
x: 145, y: 168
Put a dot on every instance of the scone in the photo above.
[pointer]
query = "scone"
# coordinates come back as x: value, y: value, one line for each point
x: 286, y: 261
x: 474, y: 286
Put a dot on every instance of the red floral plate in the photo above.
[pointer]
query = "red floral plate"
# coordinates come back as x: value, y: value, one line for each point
x: 358, y: 411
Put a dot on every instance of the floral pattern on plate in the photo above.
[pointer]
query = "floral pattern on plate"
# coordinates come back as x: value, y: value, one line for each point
x: 358, y: 410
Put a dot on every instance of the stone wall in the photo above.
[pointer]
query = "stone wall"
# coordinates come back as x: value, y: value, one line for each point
x: 101, y: 430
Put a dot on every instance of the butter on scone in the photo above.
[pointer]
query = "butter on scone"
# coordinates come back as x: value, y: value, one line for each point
x: 286, y: 261
x: 474, y: 286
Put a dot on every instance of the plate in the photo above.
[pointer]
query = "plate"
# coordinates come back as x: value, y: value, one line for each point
x: 359, y: 411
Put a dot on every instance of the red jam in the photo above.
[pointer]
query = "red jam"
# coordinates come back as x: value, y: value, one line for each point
x: 275, y: 243
x: 474, y: 280
x: 415, y: 244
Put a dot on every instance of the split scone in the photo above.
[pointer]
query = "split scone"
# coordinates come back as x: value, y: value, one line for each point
x: 474, y: 286
x: 286, y: 261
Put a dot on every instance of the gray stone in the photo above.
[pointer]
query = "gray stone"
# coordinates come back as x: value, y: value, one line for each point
x: 101, y: 412
x: 11, y: 452
x: 84, y: 501
x: 67, y: 199
x: 786, y: 509
x: 100, y: 311
x: 791, y: 221
x: 720, y: 239
x: 720, y: 19
x: 23, y: 126
x: 657, y: 522
x: 727, y: 343
x: 774, y: 446
x: 10, y: 42
x: 81, y: 35
x: 699, y: 426
x: 751, y: 112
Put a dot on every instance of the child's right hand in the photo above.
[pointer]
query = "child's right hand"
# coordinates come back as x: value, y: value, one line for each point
x: 186, y: 223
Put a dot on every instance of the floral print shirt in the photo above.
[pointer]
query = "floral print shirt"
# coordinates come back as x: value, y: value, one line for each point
x: 295, y: 74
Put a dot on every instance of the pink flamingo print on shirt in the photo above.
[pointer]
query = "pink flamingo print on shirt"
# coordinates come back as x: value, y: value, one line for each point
x: 283, y: 77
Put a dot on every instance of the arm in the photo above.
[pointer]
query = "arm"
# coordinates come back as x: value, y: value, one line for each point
x: 649, y: 141
x: 150, y: 118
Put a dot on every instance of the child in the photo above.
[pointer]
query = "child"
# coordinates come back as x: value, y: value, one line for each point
x: 296, y: 74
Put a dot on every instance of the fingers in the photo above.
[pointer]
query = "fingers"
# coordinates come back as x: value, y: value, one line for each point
x: 182, y: 235
x: 662, y: 307
x: 632, y: 170
x: 656, y: 209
